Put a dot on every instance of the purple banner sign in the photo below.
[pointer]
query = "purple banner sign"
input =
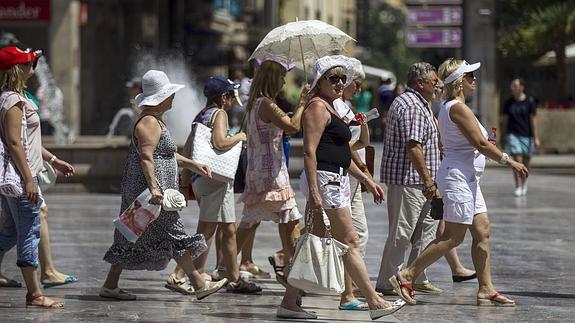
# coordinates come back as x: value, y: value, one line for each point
x: 435, y: 16
x: 437, y: 37
x: 434, y: 2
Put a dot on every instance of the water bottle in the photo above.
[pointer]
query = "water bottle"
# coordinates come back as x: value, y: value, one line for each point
x: 365, y: 117
x: 287, y: 148
x: 493, y: 136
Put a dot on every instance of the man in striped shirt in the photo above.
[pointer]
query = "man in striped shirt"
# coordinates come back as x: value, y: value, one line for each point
x: 409, y: 164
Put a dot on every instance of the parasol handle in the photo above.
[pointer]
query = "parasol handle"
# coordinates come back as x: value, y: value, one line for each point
x: 302, y: 58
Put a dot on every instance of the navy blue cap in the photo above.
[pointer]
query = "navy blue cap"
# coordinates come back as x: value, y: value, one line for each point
x: 218, y: 85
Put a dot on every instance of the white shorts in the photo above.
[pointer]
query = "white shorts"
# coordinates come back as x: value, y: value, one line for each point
x: 333, y: 188
x: 462, y: 197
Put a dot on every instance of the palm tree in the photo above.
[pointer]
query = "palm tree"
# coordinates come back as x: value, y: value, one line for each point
x: 549, y: 25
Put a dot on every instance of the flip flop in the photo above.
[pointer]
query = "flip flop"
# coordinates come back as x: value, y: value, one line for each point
x: 69, y: 280
x: 399, y: 287
x: 11, y: 283
x: 354, y: 306
x: 493, y: 300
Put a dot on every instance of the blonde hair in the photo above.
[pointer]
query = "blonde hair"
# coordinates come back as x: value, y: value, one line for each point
x: 267, y: 82
x: 12, y: 79
x: 452, y: 89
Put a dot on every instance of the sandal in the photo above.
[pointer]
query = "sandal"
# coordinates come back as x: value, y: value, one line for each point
x: 243, y: 287
x: 279, y: 270
x: 495, y: 300
x: 355, y: 305
x: 210, y: 288
x: 179, y: 285
x: 399, y: 288
x: 10, y: 283
x: 43, y: 304
x: 254, y: 270
x: 69, y: 280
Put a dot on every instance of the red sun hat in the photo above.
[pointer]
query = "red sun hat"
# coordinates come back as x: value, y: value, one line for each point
x: 12, y: 55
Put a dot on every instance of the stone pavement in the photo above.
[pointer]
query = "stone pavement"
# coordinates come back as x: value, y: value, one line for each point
x: 532, y: 246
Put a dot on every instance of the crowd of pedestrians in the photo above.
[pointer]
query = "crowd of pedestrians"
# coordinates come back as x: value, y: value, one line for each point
x: 425, y: 158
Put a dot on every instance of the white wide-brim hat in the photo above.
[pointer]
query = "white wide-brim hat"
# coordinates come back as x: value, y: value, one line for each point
x: 462, y: 69
x: 156, y: 87
x: 325, y: 63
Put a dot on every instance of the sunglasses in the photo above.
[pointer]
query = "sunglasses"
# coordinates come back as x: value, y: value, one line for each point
x: 470, y: 74
x: 334, y: 79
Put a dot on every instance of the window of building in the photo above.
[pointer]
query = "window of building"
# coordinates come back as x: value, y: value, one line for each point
x: 232, y: 7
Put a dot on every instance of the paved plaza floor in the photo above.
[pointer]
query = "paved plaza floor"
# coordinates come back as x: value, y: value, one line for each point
x: 532, y: 247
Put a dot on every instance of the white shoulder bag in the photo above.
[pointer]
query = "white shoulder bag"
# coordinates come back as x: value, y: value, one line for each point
x: 222, y: 163
x: 318, y: 262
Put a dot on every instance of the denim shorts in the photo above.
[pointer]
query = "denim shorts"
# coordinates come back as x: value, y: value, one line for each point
x: 21, y: 228
x: 519, y: 145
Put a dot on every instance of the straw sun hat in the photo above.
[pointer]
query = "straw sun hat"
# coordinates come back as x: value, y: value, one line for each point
x: 156, y: 87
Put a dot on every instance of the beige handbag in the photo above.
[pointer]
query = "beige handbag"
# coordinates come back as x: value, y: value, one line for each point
x: 318, y: 262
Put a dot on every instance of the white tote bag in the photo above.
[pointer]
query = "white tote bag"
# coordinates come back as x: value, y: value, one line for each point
x: 318, y: 262
x: 223, y: 164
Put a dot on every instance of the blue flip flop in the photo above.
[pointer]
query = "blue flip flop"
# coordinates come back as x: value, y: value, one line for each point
x: 354, y: 306
x: 70, y: 279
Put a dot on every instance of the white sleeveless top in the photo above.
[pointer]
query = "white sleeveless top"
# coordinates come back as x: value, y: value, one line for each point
x: 457, y: 150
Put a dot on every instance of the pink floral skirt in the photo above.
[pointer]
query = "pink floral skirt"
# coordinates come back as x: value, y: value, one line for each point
x: 278, y: 206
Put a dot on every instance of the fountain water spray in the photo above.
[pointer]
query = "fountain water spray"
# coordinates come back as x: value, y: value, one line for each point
x: 53, y: 101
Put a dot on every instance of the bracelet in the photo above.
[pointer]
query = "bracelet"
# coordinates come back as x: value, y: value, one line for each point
x: 504, y: 159
x: 364, y: 179
x: 52, y: 159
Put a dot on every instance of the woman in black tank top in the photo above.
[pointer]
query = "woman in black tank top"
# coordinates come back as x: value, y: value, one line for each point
x: 327, y: 160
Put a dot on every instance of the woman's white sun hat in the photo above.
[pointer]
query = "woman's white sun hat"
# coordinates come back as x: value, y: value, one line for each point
x: 462, y: 69
x: 156, y: 87
x: 325, y: 63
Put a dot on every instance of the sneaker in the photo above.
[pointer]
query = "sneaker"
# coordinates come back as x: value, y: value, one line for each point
x: 518, y: 191
x: 524, y: 189
x: 243, y: 287
x: 427, y: 288
x: 116, y: 293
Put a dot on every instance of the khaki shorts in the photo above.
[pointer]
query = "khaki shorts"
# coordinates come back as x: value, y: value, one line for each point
x: 216, y: 200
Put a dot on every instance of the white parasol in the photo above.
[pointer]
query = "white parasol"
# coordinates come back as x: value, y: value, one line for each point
x: 302, y: 41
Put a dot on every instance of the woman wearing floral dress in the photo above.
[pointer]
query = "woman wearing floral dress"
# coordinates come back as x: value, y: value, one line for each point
x: 268, y: 195
x: 152, y: 164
